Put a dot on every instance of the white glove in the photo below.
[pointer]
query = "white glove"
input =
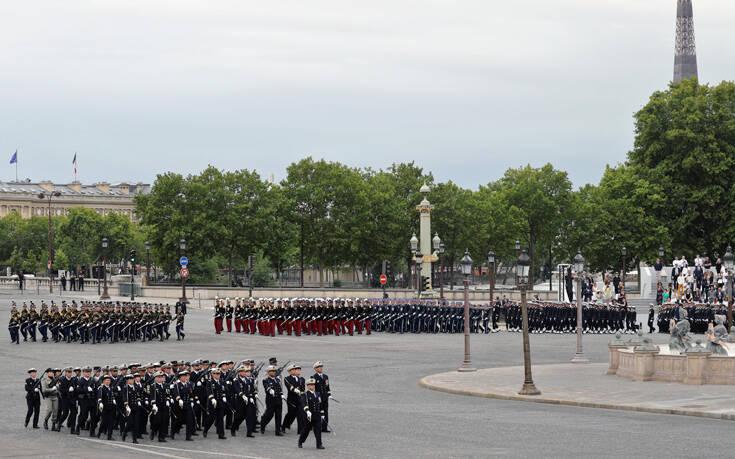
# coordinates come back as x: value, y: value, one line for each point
x: 127, y: 411
x: 89, y: 389
x: 308, y: 415
x: 71, y: 389
x: 36, y: 389
x: 256, y: 396
x: 283, y: 397
x: 214, y: 403
x: 298, y: 392
x: 252, y: 401
x: 114, y: 402
x: 181, y: 403
x: 199, y: 384
x: 155, y: 409
x: 167, y: 403
x: 101, y: 406
x: 138, y: 403
x: 272, y: 392
x: 224, y: 399
x: 245, y: 399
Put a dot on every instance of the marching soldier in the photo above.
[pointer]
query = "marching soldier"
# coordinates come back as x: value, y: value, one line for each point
x: 14, y: 324
x: 325, y: 393
x: 216, y: 404
x: 49, y: 390
x: 160, y: 401
x: 312, y: 403
x: 86, y: 394
x: 294, y: 389
x: 67, y: 393
x: 33, y: 398
x: 183, y: 408
x: 273, y: 405
x: 130, y: 409
x: 106, y: 405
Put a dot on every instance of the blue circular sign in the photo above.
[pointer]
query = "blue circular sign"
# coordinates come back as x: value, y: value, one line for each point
x: 183, y: 261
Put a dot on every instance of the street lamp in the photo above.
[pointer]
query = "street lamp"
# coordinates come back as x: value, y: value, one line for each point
x: 491, y: 273
x: 50, y: 263
x: 465, y: 266
x: 414, y: 244
x: 624, y: 252
x: 661, y: 252
x: 105, y: 243
x: 418, y: 259
x: 148, y: 262
x: 523, y: 267
x: 728, y: 260
x: 437, y: 245
x: 182, y: 250
x: 518, y: 245
x: 579, y: 269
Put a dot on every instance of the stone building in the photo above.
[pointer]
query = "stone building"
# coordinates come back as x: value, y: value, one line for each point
x: 102, y: 197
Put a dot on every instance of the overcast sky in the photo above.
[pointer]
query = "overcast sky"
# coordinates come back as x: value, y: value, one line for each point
x: 465, y: 88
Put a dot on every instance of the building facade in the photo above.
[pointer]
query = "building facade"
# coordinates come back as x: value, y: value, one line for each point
x: 102, y: 197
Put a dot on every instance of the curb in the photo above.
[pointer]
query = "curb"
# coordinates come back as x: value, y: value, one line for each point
x: 423, y: 382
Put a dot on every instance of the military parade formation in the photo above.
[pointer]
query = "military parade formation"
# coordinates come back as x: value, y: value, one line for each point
x: 163, y: 400
x: 94, y: 322
x: 328, y: 316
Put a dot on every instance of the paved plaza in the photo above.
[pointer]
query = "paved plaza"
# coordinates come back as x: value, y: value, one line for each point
x: 384, y: 412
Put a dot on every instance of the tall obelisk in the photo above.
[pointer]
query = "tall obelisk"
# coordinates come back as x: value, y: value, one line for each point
x: 685, y: 62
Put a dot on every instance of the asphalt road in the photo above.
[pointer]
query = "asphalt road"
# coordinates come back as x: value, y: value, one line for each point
x: 383, y: 412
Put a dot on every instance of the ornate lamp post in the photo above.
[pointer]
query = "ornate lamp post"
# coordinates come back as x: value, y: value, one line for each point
x: 147, y: 262
x: 522, y: 270
x: 466, y: 266
x: 491, y: 273
x: 182, y: 250
x: 418, y: 259
x: 728, y: 260
x: 436, y: 245
x: 50, y: 263
x: 105, y: 243
x: 579, y: 270
x: 661, y: 254
x: 414, y: 244
x: 624, y: 252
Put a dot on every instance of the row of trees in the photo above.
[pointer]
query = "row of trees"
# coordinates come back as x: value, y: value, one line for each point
x: 674, y: 190
x: 77, y: 240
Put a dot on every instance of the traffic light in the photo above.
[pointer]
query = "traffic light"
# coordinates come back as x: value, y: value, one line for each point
x: 388, y: 269
x: 427, y: 283
x: 132, y: 256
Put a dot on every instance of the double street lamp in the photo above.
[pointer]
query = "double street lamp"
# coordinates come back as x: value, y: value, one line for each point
x: 523, y: 268
x: 439, y: 249
x: 579, y: 270
x: 49, y: 264
x: 105, y: 243
x: 465, y: 266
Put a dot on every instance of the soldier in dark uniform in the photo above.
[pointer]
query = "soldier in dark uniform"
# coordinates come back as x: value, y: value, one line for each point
x: 180, y: 335
x: 324, y: 391
x: 273, y: 405
x: 159, y: 398
x: 130, y: 409
x: 33, y: 397
x: 311, y: 401
x: 183, y: 393
x: 14, y: 324
x: 86, y: 395
x: 106, y: 405
x: 68, y: 405
x: 295, y: 386
x: 216, y: 403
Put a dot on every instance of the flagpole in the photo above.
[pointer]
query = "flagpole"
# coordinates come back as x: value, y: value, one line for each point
x: 16, y: 165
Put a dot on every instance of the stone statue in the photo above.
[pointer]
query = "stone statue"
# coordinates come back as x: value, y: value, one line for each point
x: 680, y: 339
x: 717, y: 337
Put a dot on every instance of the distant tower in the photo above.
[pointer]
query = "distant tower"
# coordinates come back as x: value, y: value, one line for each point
x: 685, y: 62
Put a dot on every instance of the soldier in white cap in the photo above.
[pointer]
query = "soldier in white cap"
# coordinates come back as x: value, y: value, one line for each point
x: 325, y: 392
x: 295, y: 387
x: 311, y: 402
x: 33, y: 397
x: 273, y: 401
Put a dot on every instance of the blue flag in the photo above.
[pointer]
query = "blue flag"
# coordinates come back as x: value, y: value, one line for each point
x: 14, y: 158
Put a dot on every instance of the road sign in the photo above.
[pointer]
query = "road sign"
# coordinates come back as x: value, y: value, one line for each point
x: 184, y: 272
x: 383, y: 279
x: 184, y: 262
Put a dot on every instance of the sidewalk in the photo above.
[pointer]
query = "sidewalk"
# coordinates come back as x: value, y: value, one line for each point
x: 587, y: 385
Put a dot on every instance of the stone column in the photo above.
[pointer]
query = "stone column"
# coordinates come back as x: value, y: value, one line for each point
x: 613, y: 347
x: 425, y: 248
x: 696, y: 364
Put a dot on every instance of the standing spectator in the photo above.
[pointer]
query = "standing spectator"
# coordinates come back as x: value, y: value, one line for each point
x: 63, y: 282
x: 616, y: 283
x: 73, y: 282
x: 21, y: 279
x: 80, y: 281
